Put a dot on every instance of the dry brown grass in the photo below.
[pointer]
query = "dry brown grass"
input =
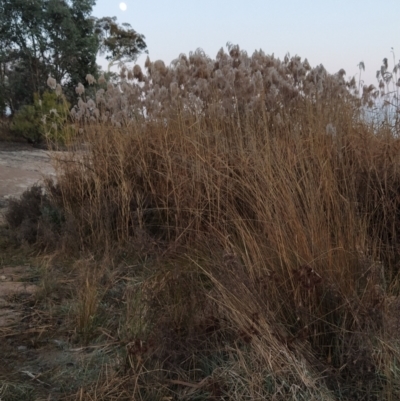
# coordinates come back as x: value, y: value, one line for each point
x: 276, y: 246
x: 251, y: 257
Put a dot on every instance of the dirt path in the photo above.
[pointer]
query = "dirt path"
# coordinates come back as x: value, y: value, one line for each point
x: 26, y: 353
x: 38, y: 355
x: 21, y: 166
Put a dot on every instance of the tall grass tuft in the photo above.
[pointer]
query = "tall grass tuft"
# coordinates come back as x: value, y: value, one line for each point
x: 268, y: 225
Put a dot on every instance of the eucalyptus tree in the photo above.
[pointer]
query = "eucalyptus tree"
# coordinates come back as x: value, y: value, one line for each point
x: 43, y: 37
x: 119, y: 43
x: 59, y: 38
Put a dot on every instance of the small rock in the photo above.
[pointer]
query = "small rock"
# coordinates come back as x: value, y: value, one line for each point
x: 22, y: 348
x: 3, y: 278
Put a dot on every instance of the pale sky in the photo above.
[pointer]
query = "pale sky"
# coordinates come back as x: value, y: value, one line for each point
x: 335, y: 33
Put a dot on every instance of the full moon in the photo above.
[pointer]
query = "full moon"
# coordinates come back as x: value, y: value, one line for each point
x: 122, y: 6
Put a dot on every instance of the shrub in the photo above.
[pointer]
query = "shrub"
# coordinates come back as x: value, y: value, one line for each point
x: 34, y: 218
x: 5, y: 133
x: 45, y: 119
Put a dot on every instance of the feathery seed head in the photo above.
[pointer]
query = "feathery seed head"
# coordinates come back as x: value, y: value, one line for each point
x: 80, y: 89
x: 159, y: 66
x: 58, y: 90
x: 81, y: 104
x: 233, y: 80
x: 306, y: 65
x: 174, y: 89
x: 73, y: 113
x: 90, y: 79
x: 51, y: 82
x: 148, y: 63
x: 123, y: 72
x: 137, y: 73
x: 91, y: 104
x: 100, y: 96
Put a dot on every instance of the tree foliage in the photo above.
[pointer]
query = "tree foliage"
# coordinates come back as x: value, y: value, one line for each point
x: 118, y: 42
x: 57, y: 38
x: 42, y: 37
x: 45, y: 118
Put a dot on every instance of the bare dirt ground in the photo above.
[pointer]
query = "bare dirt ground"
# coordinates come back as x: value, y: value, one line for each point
x: 39, y: 357
x: 21, y: 166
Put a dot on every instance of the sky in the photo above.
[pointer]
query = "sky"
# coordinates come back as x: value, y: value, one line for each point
x: 335, y: 33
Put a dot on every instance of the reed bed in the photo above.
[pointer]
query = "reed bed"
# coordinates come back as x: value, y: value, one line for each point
x: 259, y: 244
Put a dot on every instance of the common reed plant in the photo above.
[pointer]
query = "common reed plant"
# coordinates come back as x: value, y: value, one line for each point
x: 263, y: 210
